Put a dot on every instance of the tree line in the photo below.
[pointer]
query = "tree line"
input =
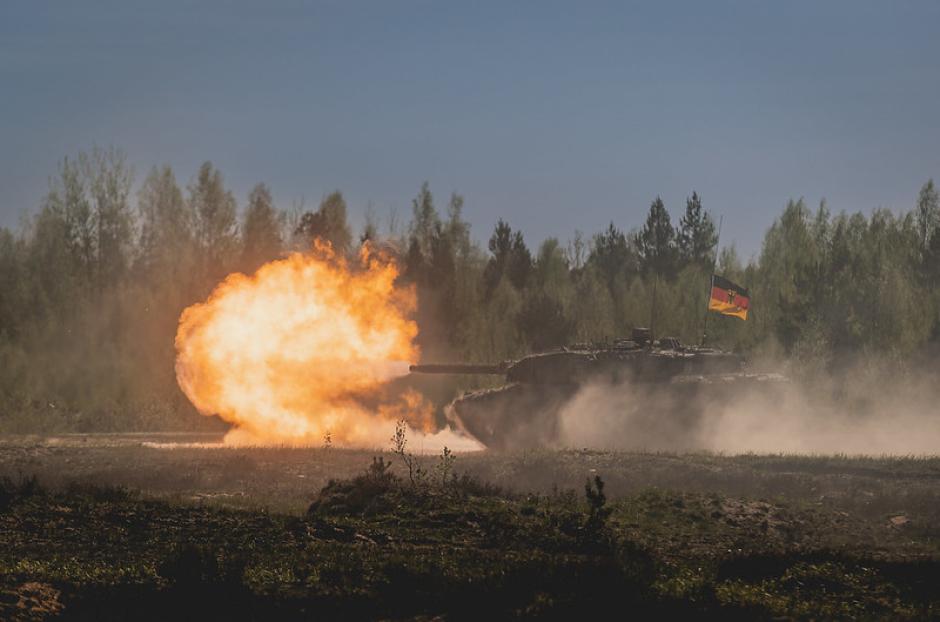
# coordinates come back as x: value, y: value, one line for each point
x: 92, y: 283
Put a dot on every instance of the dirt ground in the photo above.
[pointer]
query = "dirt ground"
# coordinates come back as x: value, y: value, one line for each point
x: 196, y: 467
x: 107, y: 520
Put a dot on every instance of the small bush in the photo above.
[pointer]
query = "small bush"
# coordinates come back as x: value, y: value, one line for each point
x: 594, y: 531
x: 466, y: 485
x: 192, y: 565
x: 10, y: 491
x: 370, y: 493
x: 598, y: 512
x: 416, y: 474
x: 103, y: 493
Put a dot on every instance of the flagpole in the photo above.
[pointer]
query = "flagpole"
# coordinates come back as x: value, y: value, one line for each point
x: 711, y: 279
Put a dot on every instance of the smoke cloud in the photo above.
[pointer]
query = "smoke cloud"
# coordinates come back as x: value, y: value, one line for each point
x: 856, y: 412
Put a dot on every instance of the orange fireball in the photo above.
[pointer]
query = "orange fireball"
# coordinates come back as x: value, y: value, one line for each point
x: 287, y: 354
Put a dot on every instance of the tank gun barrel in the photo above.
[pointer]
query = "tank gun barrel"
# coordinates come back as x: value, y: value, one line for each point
x: 458, y: 368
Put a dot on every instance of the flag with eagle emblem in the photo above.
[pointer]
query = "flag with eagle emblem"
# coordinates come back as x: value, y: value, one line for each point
x: 728, y: 299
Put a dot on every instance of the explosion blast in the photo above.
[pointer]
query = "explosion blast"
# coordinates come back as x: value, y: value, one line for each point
x: 292, y: 354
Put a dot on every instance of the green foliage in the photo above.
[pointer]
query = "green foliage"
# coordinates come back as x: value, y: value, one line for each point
x: 611, y: 255
x: 371, y: 492
x: 425, y: 221
x: 261, y: 231
x: 327, y: 224
x: 696, y: 238
x: 656, y: 242
x: 191, y: 567
x: 445, y: 467
x: 598, y: 511
x: 13, y: 491
x: 510, y: 259
x: 215, y: 224
x: 544, y: 322
x: 166, y: 234
x: 93, y: 286
x: 927, y: 213
x: 417, y: 476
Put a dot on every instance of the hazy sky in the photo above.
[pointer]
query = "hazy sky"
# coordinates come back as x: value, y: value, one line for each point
x: 553, y: 116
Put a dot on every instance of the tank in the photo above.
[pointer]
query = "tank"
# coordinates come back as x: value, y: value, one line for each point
x: 668, y: 383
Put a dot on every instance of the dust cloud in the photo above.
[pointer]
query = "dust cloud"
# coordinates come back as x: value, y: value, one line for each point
x: 850, y: 414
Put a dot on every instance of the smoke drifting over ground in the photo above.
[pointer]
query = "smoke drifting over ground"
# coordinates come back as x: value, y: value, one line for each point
x: 850, y: 415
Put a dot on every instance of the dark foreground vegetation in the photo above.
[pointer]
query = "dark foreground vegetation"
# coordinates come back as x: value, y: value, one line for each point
x: 471, y: 537
x: 94, y: 281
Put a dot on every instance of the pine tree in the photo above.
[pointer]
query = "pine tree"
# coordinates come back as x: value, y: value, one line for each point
x: 261, y: 231
x: 370, y: 227
x: 214, y: 213
x: 166, y: 236
x: 510, y: 258
x: 328, y: 224
x: 109, y: 180
x: 456, y: 228
x: 656, y: 242
x: 424, y: 220
x: 69, y: 197
x: 928, y: 213
x: 612, y: 255
x: 696, y: 237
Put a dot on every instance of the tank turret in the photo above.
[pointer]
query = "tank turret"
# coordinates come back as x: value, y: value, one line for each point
x: 622, y: 359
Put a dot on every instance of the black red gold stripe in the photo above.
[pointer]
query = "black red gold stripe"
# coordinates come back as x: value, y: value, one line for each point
x: 728, y: 298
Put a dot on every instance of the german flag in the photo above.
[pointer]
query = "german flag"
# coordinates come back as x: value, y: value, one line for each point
x: 728, y: 298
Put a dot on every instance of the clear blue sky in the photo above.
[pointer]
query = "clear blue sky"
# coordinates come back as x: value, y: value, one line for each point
x: 554, y: 116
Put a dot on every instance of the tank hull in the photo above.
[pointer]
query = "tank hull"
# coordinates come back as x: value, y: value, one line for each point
x: 525, y: 416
